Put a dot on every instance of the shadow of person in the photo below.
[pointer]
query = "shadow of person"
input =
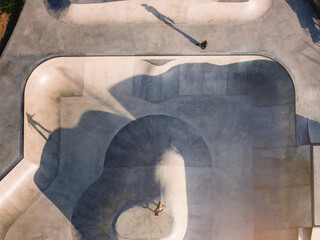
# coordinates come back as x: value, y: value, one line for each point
x: 168, y: 21
x: 156, y: 13
x: 308, y: 20
x: 37, y: 126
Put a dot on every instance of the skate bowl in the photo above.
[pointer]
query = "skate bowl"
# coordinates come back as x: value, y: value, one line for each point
x: 106, y: 138
x: 125, y: 12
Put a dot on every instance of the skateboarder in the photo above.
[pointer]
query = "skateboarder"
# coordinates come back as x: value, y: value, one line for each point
x: 204, y: 44
x: 159, y: 208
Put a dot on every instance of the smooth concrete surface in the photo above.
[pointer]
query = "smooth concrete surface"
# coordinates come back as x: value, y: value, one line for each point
x: 282, y: 181
x: 314, y: 131
x: 43, y: 202
x: 316, y: 184
x: 170, y: 12
x: 111, y: 135
x: 132, y: 224
x: 315, y: 233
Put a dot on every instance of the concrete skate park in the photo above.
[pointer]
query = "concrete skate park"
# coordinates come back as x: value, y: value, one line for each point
x: 108, y: 107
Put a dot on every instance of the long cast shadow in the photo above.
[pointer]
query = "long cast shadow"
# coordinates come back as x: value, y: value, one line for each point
x: 168, y: 21
x: 308, y: 20
x: 37, y: 126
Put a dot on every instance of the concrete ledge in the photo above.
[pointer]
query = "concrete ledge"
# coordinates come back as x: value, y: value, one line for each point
x: 182, y: 12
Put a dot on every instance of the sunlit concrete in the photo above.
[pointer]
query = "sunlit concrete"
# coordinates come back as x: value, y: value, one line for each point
x: 252, y: 122
x: 172, y: 12
x: 315, y: 233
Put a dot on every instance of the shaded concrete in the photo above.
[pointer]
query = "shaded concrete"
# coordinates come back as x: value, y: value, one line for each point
x: 131, y: 174
x: 314, y: 131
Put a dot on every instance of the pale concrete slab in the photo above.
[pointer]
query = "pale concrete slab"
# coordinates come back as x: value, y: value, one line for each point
x: 316, y: 184
x: 315, y: 233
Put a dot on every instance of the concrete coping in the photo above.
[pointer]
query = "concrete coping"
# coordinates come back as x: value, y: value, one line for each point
x: 153, y: 11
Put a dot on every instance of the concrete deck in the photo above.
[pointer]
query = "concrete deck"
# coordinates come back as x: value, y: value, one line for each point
x: 91, y: 134
x: 140, y: 11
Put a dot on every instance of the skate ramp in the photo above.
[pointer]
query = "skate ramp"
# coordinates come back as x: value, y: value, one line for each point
x: 106, y: 138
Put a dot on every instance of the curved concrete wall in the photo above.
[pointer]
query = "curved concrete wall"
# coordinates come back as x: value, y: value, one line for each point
x: 115, y: 86
x: 48, y: 84
x: 179, y: 12
x: 143, y: 154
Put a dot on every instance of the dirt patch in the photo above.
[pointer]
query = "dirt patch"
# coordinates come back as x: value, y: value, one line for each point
x: 4, y: 20
x: 9, y: 14
x: 316, y: 6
